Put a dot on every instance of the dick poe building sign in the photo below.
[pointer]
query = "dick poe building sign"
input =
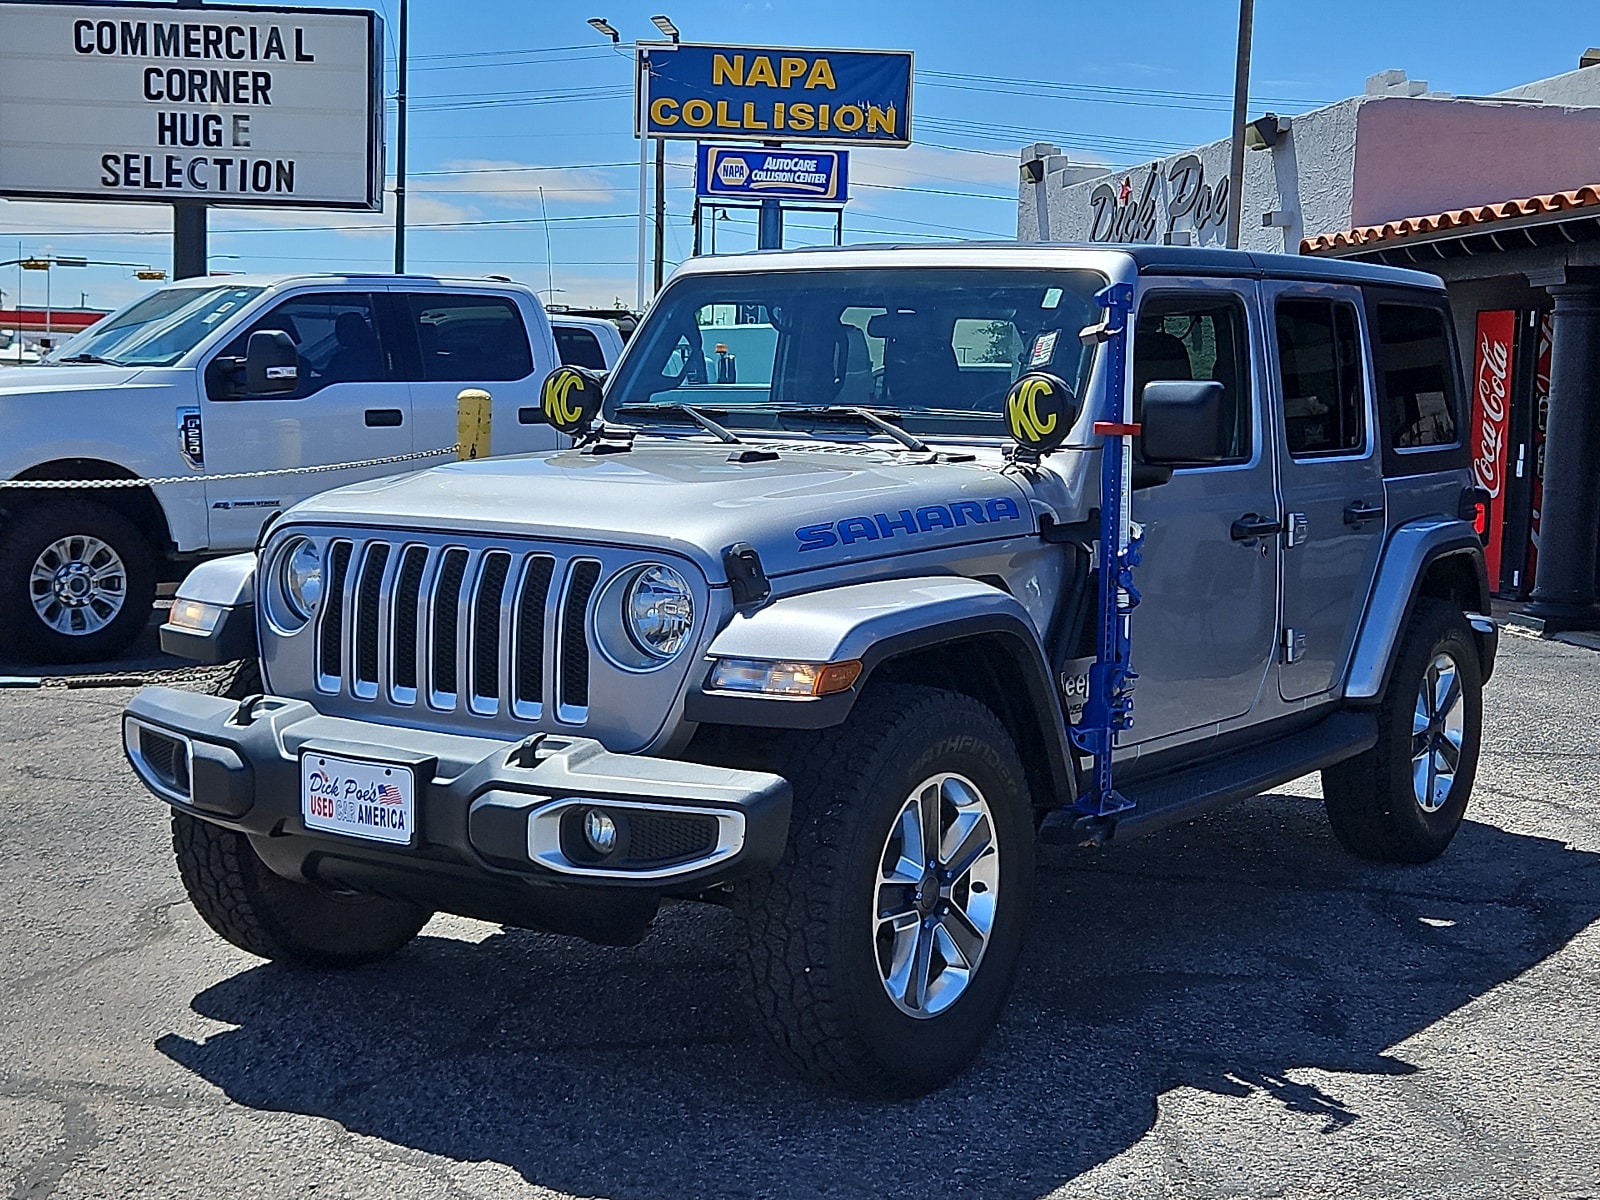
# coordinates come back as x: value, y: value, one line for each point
x: 269, y: 106
x: 772, y: 95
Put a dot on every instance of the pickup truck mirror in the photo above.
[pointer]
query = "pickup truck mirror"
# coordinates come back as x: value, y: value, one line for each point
x: 1183, y: 422
x: 1040, y: 410
x: 271, y: 363
x: 570, y: 399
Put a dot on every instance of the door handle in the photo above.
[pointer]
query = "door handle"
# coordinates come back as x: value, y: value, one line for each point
x: 1361, y: 511
x: 383, y: 418
x: 1251, y: 526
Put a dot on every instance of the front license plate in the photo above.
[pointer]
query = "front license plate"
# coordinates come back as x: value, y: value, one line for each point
x: 348, y: 796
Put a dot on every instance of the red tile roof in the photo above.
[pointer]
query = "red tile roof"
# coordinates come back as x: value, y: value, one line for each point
x: 1584, y: 197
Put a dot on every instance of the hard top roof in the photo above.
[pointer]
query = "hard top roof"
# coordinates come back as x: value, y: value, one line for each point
x: 1149, y: 260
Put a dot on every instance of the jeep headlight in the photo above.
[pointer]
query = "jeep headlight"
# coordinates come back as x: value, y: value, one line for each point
x: 300, y: 577
x: 645, y: 617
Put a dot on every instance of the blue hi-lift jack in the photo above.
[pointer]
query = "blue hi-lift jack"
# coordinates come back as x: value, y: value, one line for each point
x: 1108, y: 708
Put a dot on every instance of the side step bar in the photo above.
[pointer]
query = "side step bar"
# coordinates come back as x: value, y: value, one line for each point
x: 1188, y: 792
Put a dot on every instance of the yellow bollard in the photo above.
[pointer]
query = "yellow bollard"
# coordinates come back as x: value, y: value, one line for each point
x: 472, y: 423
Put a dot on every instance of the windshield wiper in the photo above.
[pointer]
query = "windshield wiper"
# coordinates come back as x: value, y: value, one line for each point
x: 866, y: 416
x: 721, y: 432
x: 89, y: 358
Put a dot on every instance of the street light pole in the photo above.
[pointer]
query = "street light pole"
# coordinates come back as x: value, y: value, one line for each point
x: 1241, y: 100
x: 400, y: 72
x: 644, y: 162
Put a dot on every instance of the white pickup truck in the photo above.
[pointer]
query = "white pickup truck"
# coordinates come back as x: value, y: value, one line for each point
x: 207, y: 380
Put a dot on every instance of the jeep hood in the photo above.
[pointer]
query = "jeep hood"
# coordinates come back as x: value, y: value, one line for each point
x: 813, y: 505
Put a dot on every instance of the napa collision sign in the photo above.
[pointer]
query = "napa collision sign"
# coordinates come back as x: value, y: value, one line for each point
x: 268, y: 106
x: 746, y: 173
x: 860, y: 97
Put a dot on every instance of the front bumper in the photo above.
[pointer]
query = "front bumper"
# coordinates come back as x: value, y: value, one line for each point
x: 487, y: 812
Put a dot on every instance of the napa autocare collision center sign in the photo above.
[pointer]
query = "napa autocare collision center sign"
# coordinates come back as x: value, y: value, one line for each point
x: 748, y: 173
x: 270, y: 106
x: 770, y: 95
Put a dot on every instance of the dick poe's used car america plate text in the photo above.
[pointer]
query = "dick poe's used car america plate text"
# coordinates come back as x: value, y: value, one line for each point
x: 358, y: 799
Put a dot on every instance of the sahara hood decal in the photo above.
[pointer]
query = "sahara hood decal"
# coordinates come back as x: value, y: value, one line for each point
x: 923, y: 520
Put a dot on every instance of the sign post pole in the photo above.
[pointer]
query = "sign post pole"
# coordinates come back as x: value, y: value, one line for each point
x: 188, y: 224
x: 644, y: 163
x: 770, y: 231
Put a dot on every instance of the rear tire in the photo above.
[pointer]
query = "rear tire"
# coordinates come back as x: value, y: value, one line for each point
x: 878, y: 962
x: 77, y: 583
x: 1403, y: 800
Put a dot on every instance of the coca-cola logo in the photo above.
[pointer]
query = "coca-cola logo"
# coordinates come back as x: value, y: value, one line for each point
x: 1493, y: 383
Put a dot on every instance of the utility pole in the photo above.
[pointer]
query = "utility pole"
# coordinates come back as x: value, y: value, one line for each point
x: 1241, y: 112
x: 188, y: 224
x: 661, y: 209
x: 400, y: 145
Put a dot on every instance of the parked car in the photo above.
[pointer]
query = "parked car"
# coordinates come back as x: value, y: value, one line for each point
x: 167, y: 388
x: 826, y: 663
x: 586, y: 341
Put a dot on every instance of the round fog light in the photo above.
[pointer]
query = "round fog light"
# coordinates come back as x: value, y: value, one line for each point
x: 600, y: 831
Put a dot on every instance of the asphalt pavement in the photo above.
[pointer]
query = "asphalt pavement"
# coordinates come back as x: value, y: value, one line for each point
x: 1230, y: 1008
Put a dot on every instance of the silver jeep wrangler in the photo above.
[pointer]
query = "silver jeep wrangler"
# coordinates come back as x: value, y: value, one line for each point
x: 811, y: 622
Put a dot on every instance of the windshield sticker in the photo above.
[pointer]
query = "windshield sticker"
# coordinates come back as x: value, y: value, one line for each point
x: 190, y: 442
x: 1043, y: 348
x: 1052, y: 297
x: 924, y: 520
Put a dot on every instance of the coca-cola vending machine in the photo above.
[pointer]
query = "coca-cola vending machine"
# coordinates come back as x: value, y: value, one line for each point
x: 1491, y: 420
x: 1540, y: 414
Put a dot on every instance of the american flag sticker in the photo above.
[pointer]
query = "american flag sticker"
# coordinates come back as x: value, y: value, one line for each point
x: 388, y: 794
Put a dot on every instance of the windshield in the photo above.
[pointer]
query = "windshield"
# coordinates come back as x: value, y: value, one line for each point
x: 939, y: 347
x: 158, y: 330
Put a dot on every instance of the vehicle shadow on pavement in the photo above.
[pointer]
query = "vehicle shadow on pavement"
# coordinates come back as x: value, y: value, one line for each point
x: 1221, y: 956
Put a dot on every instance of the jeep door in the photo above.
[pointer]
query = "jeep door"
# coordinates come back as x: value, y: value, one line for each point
x: 1207, y: 622
x: 350, y: 406
x: 1331, y: 473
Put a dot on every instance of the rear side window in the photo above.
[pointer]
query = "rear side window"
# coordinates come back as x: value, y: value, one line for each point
x: 1201, y: 338
x: 578, y: 347
x: 470, y: 339
x: 1319, y: 366
x: 1412, y: 348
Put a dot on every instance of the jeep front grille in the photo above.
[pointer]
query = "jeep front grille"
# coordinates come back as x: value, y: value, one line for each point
x: 461, y: 630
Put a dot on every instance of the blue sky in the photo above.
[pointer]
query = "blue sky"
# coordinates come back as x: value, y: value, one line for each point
x: 507, y: 98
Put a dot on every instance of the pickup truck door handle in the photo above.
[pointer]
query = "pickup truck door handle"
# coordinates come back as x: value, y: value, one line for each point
x: 1361, y: 511
x: 380, y: 418
x: 1251, y: 526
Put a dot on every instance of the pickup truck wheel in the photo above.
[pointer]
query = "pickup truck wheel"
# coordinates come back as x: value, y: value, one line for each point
x: 77, y: 583
x: 882, y: 948
x: 1403, y: 800
x: 280, y: 919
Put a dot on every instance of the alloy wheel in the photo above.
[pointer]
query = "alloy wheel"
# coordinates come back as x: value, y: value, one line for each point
x: 938, y: 893
x: 1437, y: 727
x: 78, y: 585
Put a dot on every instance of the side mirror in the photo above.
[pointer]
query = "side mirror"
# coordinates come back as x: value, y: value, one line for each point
x: 1185, y: 422
x: 271, y: 364
x: 1040, y: 410
x: 570, y: 398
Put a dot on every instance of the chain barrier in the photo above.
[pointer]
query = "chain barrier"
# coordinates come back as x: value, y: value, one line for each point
x: 59, y: 484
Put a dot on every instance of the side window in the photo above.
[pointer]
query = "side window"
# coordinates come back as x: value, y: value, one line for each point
x: 1203, y: 338
x: 470, y: 339
x: 578, y: 347
x: 1319, y: 366
x: 1418, y: 400
x: 335, y: 332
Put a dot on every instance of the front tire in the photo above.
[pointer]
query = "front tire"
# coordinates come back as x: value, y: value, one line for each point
x: 882, y: 948
x: 1403, y: 800
x: 77, y: 583
x: 280, y: 919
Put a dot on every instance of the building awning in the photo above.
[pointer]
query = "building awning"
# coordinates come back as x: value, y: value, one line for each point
x: 1519, y: 218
